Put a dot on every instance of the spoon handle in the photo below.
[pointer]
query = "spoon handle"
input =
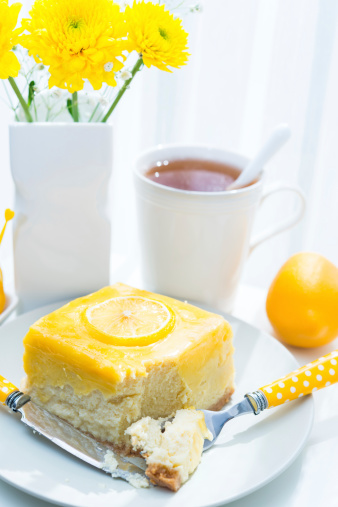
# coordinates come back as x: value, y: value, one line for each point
x: 309, y: 378
x: 276, y: 140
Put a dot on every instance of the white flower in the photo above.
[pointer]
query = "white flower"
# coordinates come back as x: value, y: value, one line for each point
x: 125, y: 75
x: 57, y: 93
x: 40, y: 66
x: 196, y: 8
x: 103, y: 101
x: 108, y: 67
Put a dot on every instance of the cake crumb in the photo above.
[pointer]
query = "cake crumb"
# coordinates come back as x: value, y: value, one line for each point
x: 138, y: 481
x: 110, y: 462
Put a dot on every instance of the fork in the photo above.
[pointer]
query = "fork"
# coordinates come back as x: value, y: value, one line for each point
x: 309, y: 378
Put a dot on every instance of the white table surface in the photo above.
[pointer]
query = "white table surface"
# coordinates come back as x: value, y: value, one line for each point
x: 312, y: 478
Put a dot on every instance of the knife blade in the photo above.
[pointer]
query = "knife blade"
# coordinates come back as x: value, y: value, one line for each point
x: 70, y: 439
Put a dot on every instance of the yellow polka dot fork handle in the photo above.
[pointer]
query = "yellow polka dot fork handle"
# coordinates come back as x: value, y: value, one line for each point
x: 11, y: 396
x: 309, y: 378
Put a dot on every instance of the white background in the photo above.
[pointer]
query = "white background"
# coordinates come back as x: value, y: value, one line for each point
x: 254, y: 64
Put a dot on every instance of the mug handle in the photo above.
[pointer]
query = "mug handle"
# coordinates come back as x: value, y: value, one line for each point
x: 283, y: 225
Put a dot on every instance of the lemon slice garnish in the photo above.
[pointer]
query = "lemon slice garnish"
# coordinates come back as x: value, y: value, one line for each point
x: 130, y: 320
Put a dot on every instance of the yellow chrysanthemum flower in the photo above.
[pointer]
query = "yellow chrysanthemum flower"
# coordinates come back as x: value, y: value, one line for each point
x: 155, y: 34
x: 9, y: 64
x: 77, y: 39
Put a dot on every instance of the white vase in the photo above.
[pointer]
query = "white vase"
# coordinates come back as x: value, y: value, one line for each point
x: 61, y: 228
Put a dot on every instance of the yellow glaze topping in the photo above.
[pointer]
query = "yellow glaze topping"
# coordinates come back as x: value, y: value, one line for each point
x: 184, y: 335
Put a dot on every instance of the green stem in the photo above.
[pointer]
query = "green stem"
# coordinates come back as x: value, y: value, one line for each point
x: 138, y: 65
x: 75, y: 107
x: 21, y: 99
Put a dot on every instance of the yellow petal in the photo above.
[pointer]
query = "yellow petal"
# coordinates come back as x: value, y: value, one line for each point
x: 76, y: 64
x: 75, y: 51
x: 9, y: 65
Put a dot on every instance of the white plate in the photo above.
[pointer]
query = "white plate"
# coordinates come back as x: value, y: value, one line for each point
x: 11, y: 303
x: 251, y: 451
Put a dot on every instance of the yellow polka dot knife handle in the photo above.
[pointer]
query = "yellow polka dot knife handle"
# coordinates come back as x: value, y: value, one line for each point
x: 309, y: 378
x: 6, y: 388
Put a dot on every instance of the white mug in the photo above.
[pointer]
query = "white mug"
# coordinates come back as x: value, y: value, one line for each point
x: 194, y: 244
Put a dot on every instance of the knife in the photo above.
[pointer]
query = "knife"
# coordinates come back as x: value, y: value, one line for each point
x: 65, y: 435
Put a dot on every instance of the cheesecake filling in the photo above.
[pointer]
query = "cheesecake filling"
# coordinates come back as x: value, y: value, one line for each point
x: 107, y: 414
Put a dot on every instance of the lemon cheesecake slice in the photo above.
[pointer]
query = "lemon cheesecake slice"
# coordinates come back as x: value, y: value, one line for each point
x: 106, y: 360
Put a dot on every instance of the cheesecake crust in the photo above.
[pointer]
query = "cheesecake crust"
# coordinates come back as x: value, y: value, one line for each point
x: 164, y: 477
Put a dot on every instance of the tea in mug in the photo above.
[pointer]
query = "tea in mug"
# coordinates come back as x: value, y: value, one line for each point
x: 194, y: 175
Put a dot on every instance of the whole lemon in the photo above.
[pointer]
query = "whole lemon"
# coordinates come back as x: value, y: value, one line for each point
x: 302, y: 302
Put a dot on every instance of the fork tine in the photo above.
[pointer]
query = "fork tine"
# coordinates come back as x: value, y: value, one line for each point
x: 216, y: 420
